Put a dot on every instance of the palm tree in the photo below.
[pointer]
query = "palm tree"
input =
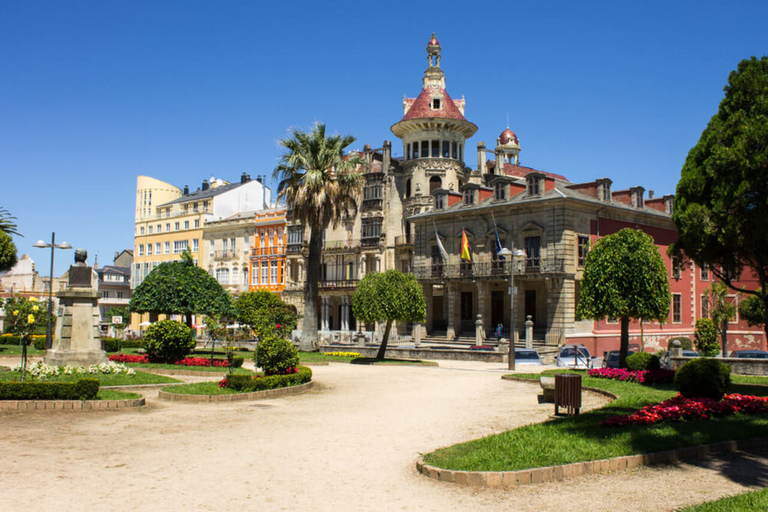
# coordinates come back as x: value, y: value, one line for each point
x: 321, y: 186
x: 6, y: 222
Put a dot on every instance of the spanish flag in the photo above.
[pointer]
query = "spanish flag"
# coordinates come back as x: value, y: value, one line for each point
x: 465, y: 247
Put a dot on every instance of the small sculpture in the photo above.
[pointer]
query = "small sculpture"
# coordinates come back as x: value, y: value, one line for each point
x: 80, y: 256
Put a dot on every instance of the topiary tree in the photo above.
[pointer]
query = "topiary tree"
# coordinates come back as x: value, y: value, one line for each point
x: 181, y: 288
x: 167, y: 341
x: 276, y: 355
x: 721, y: 202
x: 388, y: 297
x: 625, y: 278
x: 703, y: 377
x: 705, y: 337
x: 643, y: 361
x: 263, y: 311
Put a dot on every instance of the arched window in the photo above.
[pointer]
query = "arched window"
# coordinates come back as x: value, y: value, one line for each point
x: 434, y: 183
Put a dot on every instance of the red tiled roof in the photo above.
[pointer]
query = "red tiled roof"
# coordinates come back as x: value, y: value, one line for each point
x: 522, y: 172
x: 422, y: 109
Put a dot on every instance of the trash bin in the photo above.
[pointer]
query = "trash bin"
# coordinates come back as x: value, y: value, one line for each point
x: 568, y: 393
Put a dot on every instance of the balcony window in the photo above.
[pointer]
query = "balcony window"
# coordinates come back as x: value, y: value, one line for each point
x: 273, y: 272
x: 295, y: 235
x: 677, y: 308
x: 532, y: 253
x: 583, y: 250
x: 446, y: 149
x: 424, y: 148
x: 371, y: 229
x: 180, y: 246
x: 222, y: 275
x: 264, y: 272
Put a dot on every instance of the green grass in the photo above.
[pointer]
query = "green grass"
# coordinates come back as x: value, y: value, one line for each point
x: 188, y: 368
x: 112, y: 379
x: 755, y: 500
x: 580, y: 438
x: 15, y: 350
x: 111, y: 394
x: 200, y: 388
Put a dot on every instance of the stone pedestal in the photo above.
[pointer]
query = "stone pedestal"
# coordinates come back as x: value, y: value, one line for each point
x: 77, y: 341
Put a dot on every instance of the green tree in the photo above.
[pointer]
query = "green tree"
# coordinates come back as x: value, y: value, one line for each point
x: 388, y: 297
x: 21, y: 314
x: 625, y: 278
x: 263, y: 311
x: 167, y: 341
x: 181, y: 288
x: 721, y: 205
x: 705, y: 336
x: 321, y: 186
x: 752, y: 309
x: 8, y: 253
x: 721, y: 311
x: 7, y: 224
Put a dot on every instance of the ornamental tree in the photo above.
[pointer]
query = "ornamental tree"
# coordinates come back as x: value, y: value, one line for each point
x: 8, y: 252
x: 263, y: 311
x: 625, y: 278
x: 181, y: 288
x: 388, y: 297
x: 20, y: 317
x: 752, y: 309
x: 705, y: 337
x: 721, y: 204
x: 721, y: 311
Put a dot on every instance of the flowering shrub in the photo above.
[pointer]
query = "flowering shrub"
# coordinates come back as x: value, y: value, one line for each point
x: 187, y: 361
x: 223, y: 383
x: 129, y: 358
x: 20, y: 319
x: 343, y: 354
x: 247, y: 383
x: 647, y: 377
x: 42, y: 371
x: 680, y: 408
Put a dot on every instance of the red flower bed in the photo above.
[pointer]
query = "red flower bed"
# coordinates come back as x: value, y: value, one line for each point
x: 128, y: 358
x: 681, y: 408
x: 187, y: 361
x: 640, y: 376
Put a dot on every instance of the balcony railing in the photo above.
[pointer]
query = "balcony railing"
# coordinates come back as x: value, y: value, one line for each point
x: 338, y: 283
x: 498, y: 268
x: 268, y: 251
x: 224, y: 255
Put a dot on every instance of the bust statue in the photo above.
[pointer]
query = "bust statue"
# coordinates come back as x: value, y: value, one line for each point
x: 80, y: 256
x: 80, y: 273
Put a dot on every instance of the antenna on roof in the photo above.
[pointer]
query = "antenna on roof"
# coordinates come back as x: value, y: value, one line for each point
x: 507, y: 119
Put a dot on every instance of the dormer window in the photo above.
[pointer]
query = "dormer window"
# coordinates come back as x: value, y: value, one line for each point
x: 534, y: 185
x: 435, y: 103
x: 469, y: 196
x: 500, y: 191
x: 638, y: 198
x: 439, y: 201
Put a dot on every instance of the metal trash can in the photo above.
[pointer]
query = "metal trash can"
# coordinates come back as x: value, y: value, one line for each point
x: 568, y: 393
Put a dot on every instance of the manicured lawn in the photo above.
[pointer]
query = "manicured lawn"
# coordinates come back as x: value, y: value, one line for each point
x: 200, y: 388
x: 112, y: 379
x: 755, y: 500
x: 189, y: 368
x: 15, y: 350
x: 580, y: 438
x: 112, y: 394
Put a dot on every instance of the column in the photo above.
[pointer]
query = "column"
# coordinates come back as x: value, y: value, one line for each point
x: 427, y: 291
x: 450, y: 298
x: 324, y: 313
x: 345, y: 313
x: 484, y: 303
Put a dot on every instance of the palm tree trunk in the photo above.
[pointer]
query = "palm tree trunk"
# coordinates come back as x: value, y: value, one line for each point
x: 309, y: 326
x: 384, y: 340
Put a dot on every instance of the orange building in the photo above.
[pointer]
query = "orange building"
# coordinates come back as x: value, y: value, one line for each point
x: 268, y: 251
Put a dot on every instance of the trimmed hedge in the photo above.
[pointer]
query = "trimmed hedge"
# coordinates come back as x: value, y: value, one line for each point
x: 83, y: 389
x: 643, y: 361
x: 247, y: 383
x: 15, y: 340
x: 703, y: 377
x: 237, y: 361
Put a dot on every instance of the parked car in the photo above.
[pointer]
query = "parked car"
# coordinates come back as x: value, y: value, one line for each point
x: 750, y: 354
x: 527, y: 356
x: 574, y: 355
x: 611, y: 358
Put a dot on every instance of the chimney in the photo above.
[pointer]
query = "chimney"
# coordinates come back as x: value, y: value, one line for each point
x: 258, y: 178
x: 650, y: 194
x: 186, y: 190
x: 386, y: 156
x: 206, y: 186
x: 243, y: 178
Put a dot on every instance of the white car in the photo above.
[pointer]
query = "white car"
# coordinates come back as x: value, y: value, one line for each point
x: 574, y: 356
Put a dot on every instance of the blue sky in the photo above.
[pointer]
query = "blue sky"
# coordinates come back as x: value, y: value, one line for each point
x: 94, y: 93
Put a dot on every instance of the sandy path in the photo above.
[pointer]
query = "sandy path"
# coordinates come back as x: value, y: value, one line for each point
x: 350, y: 444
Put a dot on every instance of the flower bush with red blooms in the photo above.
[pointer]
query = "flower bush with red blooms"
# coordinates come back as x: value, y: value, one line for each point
x: 187, y: 361
x: 680, y: 408
x: 223, y: 383
x: 648, y: 377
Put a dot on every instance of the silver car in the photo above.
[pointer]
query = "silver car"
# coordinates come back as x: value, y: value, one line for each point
x: 527, y: 356
x: 574, y: 356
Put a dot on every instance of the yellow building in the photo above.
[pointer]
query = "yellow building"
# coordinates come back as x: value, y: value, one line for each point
x: 170, y: 220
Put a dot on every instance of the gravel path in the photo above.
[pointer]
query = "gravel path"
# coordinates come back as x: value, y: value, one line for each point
x: 349, y: 444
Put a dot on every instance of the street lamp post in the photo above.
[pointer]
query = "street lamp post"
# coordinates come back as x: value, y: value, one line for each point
x: 53, y: 245
x: 511, y: 253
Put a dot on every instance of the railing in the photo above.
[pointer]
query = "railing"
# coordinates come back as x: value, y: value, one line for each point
x: 372, y: 204
x: 229, y: 253
x: 341, y: 245
x: 338, y: 283
x: 370, y: 241
x: 404, y: 240
x: 268, y: 251
x: 295, y: 247
x: 497, y: 268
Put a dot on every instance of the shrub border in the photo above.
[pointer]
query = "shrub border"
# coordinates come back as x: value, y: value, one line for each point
x: 593, y: 467
x: 235, y: 397
x: 70, y: 405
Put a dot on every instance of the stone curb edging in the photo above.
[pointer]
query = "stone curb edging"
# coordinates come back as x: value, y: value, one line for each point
x: 558, y: 473
x: 70, y: 405
x: 183, y: 373
x: 254, y: 395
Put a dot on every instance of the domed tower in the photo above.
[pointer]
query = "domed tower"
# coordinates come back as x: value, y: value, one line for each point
x: 507, y: 147
x: 433, y: 130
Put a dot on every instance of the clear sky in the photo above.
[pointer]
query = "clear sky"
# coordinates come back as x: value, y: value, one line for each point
x: 94, y: 93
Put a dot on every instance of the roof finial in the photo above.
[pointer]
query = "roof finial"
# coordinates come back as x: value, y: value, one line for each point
x: 433, y: 50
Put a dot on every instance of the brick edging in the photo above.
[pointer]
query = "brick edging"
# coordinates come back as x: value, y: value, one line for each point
x: 594, y: 467
x: 70, y: 405
x: 253, y: 395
